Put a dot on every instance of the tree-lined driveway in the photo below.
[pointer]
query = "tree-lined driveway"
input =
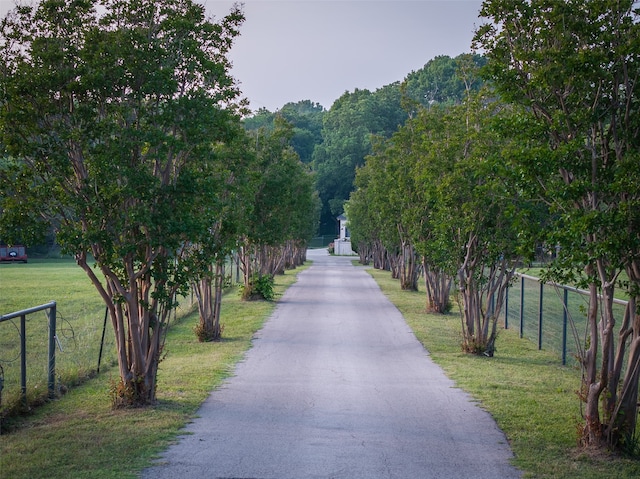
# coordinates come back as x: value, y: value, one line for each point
x: 337, y: 386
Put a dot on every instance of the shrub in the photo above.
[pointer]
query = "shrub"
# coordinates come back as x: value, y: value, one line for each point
x: 260, y: 287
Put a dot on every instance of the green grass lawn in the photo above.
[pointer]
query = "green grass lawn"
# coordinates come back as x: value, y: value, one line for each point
x: 80, y: 319
x: 80, y: 324
x: 528, y: 392
x: 531, y: 396
x: 80, y: 436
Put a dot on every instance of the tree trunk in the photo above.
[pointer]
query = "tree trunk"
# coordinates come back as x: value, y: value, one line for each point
x: 394, y: 264
x: 611, y: 399
x: 208, y: 292
x: 625, y: 415
x: 246, y: 266
x: 299, y: 254
x: 409, y: 269
x: 482, y: 290
x: 591, y: 387
x: 621, y: 427
x: 438, y: 289
x: 295, y: 253
x: 364, y: 252
x: 139, y: 323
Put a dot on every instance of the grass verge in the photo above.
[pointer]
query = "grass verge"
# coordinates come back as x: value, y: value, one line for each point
x: 530, y: 395
x: 80, y: 313
x: 80, y: 436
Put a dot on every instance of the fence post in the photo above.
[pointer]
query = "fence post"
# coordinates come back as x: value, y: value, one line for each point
x: 23, y: 359
x: 492, y: 299
x: 506, y: 308
x: 541, y: 304
x: 521, y: 307
x: 22, y: 314
x: 104, y: 330
x: 565, y: 300
x: 51, y: 383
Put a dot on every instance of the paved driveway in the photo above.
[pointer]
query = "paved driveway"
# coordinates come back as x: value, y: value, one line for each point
x: 337, y: 386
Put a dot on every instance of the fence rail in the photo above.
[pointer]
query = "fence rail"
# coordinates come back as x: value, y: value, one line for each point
x: 551, y: 314
x: 35, y: 363
x: 51, y: 370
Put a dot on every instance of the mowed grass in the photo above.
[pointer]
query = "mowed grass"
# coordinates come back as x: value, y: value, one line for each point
x: 80, y: 320
x: 79, y: 329
x: 80, y: 436
x: 531, y: 396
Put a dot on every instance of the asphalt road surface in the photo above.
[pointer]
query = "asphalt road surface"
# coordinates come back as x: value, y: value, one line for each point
x: 337, y: 386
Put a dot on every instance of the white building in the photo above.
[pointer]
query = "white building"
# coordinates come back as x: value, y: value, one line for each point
x: 342, y: 245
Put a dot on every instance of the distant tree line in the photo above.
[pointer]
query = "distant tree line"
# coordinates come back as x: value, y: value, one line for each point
x: 335, y: 142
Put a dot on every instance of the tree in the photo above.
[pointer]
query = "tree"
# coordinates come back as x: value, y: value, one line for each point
x: 283, y: 214
x: 306, y: 119
x: 304, y: 116
x: 481, y: 217
x: 440, y: 186
x: 469, y: 221
x: 573, y: 68
x: 417, y: 181
x: 361, y: 220
x: 223, y: 212
x: 109, y: 114
x: 358, y: 116
x: 389, y: 193
x: 440, y: 81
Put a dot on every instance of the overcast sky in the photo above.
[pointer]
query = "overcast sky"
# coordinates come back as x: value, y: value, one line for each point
x: 291, y: 50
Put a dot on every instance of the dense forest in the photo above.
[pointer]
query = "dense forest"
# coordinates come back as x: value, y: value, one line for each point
x: 334, y: 142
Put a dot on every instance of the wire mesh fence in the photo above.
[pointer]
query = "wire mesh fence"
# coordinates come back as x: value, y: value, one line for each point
x: 552, y: 315
x: 321, y: 241
x: 84, y: 346
x: 77, y: 343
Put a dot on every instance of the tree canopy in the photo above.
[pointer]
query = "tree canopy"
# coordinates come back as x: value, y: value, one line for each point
x: 357, y: 117
x: 305, y: 118
x: 336, y: 141
x: 440, y: 81
x: 572, y: 67
x: 109, y: 115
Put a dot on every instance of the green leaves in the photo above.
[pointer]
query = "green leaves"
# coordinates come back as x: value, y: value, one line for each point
x: 575, y: 78
x: 113, y: 118
x: 283, y: 206
x: 572, y: 66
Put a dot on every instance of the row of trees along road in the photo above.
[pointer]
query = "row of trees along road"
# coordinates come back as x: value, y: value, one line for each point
x: 122, y: 133
x: 571, y: 68
x: 547, y: 153
x: 437, y: 197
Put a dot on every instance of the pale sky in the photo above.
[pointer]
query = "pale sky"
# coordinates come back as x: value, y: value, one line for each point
x: 292, y: 50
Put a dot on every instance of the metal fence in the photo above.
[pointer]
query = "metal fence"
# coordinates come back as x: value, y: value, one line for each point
x: 42, y: 352
x: 552, y: 315
x: 321, y: 241
x: 50, y: 308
